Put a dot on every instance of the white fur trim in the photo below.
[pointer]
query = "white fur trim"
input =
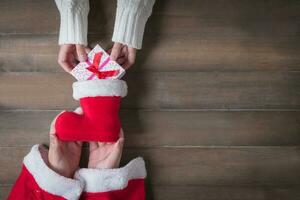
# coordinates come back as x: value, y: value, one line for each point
x: 103, y: 180
x: 99, y: 87
x: 49, y: 180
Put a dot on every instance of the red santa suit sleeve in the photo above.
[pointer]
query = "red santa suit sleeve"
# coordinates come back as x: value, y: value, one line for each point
x: 38, y: 181
x: 126, y: 183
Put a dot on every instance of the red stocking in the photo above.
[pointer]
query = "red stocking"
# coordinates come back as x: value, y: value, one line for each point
x: 100, y: 101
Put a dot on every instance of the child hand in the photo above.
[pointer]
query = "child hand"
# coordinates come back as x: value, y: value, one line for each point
x: 104, y: 155
x: 63, y: 156
x: 70, y: 54
x: 123, y: 55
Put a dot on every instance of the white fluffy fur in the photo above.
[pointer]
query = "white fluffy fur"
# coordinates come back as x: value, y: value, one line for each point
x: 99, y: 87
x: 49, y: 180
x: 103, y: 180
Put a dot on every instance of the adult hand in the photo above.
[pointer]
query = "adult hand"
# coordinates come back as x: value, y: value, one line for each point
x: 123, y: 54
x: 63, y: 156
x: 70, y: 55
x: 104, y: 155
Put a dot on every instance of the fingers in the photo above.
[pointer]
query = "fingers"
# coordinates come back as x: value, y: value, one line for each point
x: 52, y: 125
x: 121, y: 61
x: 121, y: 133
x: 53, y: 141
x: 116, y: 154
x: 130, y: 57
x: 78, y: 111
x: 93, y: 145
x: 65, y: 57
x: 109, y: 51
x: 87, y: 50
x: 124, y: 52
x: 102, y: 144
x: 52, y: 133
x: 123, y: 55
x: 79, y: 143
x: 116, y: 50
x: 81, y: 52
x: 44, y: 153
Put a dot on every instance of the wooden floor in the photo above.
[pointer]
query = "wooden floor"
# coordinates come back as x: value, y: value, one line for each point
x: 213, y: 104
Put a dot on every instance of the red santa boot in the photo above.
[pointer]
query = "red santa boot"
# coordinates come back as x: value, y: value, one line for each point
x: 100, y: 101
x: 37, y: 181
x: 126, y: 183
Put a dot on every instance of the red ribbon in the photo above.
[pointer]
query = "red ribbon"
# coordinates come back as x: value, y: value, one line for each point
x: 95, y: 68
x: 102, y: 75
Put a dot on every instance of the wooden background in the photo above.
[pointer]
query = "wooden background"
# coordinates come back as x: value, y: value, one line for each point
x: 213, y: 103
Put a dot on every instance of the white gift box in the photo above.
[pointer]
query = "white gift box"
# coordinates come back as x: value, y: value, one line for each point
x: 103, y: 69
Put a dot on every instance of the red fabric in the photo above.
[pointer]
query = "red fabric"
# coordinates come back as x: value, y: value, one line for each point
x: 26, y: 188
x: 100, y: 121
x: 135, y: 190
x: 103, y: 75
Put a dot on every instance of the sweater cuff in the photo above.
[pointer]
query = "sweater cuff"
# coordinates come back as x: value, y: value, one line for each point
x: 73, y: 21
x: 131, y: 18
x: 47, y: 179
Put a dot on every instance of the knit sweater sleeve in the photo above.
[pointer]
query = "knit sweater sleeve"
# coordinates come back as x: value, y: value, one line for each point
x: 73, y: 21
x: 130, y: 21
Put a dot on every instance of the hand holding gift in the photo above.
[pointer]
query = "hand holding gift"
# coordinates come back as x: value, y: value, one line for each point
x: 98, y: 66
x: 100, y: 91
x: 70, y: 54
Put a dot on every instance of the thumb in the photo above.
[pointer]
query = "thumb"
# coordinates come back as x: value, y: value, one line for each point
x: 116, y: 51
x: 81, y: 52
x: 116, y: 154
x: 52, y: 132
x: 53, y: 140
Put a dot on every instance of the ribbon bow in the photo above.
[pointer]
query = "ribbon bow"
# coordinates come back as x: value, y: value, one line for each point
x: 95, y: 68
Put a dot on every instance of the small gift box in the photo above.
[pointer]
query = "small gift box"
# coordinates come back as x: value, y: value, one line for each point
x: 98, y: 66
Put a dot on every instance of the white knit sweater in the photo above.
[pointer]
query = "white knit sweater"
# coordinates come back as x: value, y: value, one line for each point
x: 131, y: 18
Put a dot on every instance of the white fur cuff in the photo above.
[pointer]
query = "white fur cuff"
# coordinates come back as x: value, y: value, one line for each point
x: 49, y: 180
x: 99, y: 87
x: 104, y: 180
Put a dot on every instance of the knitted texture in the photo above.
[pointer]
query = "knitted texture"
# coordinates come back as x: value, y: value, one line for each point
x: 130, y: 21
x: 73, y: 21
x: 131, y: 18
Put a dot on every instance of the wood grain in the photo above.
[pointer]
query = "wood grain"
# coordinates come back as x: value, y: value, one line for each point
x: 210, y: 193
x: 214, y: 96
x: 193, y: 35
x: 265, y: 166
x: 169, y: 128
x: 180, y: 90
x: 224, y: 193
x: 250, y: 16
x: 38, y: 53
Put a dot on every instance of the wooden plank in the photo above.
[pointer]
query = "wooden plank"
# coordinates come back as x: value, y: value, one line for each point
x: 210, y: 193
x: 28, y: 16
x: 180, y: 90
x: 35, y: 53
x: 4, y: 191
x: 264, y: 166
x: 230, y: 9
x: 29, y: 53
x: 245, y: 15
x: 224, y: 193
x: 169, y: 128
